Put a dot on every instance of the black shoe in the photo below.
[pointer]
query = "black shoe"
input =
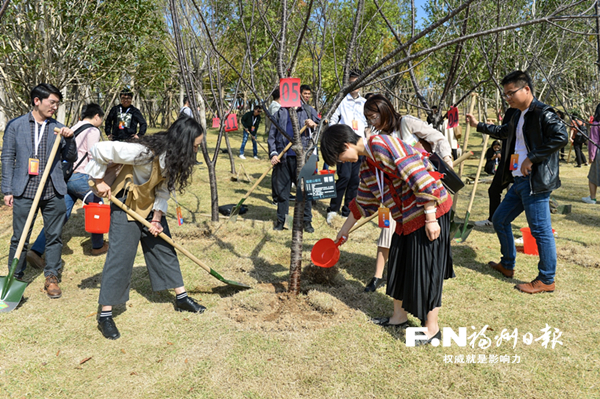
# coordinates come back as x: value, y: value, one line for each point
x: 187, y: 304
x: 108, y: 327
x: 198, y: 163
x: 278, y: 226
x: 292, y: 197
x: 374, y: 284
x: 308, y: 227
x: 423, y: 342
x: 385, y: 322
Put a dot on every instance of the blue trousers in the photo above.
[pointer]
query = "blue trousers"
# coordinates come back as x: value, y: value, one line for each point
x: 77, y: 188
x: 254, y: 145
x: 537, y: 211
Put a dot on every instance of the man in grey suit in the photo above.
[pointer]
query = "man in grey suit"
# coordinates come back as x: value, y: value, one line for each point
x: 28, y: 141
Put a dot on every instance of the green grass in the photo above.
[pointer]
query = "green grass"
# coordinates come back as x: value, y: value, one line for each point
x: 259, y: 344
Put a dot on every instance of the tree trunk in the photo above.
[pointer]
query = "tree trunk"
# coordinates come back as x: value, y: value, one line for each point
x: 298, y: 225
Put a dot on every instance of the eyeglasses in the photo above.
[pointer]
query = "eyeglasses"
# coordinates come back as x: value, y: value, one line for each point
x: 511, y: 93
x: 373, y: 118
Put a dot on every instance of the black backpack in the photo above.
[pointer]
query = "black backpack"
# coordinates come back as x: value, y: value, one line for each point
x: 67, y: 166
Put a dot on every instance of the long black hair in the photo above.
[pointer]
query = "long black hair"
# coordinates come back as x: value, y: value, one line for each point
x: 178, y: 145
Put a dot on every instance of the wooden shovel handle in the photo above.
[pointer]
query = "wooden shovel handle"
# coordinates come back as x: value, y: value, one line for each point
x: 38, y: 193
x: 165, y: 237
x: 281, y: 154
x: 363, y: 221
x: 466, y: 142
x: 481, y: 161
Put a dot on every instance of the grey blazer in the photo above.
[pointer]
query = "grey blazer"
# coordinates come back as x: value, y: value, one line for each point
x: 18, y: 148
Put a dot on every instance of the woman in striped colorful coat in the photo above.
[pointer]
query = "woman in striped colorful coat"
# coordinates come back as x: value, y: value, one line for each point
x: 396, y: 177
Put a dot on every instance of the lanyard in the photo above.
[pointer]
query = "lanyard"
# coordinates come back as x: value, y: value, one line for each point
x: 253, y: 121
x: 121, y: 110
x: 379, y: 177
x: 38, y: 135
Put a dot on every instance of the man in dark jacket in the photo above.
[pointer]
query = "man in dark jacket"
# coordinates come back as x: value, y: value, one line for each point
x: 285, y: 171
x: 534, y: 136
x: 28, y: 142
x: 123, y: 119
x: 251, y: 122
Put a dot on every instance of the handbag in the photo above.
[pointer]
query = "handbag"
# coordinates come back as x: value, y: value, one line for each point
x: 450, y: 179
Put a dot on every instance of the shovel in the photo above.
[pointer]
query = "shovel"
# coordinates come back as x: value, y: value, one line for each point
x: 466, y: 228
x: 11, y: 290
x: 235, y: 211
x: 170, y: 241
x: 465, y: 145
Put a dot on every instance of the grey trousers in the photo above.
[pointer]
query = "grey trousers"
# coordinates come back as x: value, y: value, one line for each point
x: 161, y: 259
x: 53, y: 212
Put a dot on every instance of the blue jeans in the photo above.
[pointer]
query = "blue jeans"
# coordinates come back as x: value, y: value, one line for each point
x: 537, y: 211
x: 77, y: 188
x: 254, y: 145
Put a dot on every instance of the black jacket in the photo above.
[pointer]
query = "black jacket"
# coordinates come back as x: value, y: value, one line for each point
x: 112, y: 123
x: 544, y: 135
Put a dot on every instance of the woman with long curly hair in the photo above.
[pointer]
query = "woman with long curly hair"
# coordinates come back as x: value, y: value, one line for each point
x: 148, y: 169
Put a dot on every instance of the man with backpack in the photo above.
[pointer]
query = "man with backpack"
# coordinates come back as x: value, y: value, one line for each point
x: 578, y: 139
x: 87, y: 135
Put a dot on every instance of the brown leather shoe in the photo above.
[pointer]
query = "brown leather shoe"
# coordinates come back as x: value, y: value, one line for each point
x: 35, y: 260
x: 102, y: 250
x: 51, y: 287
x: 498, y: 266
x: 535, y: 287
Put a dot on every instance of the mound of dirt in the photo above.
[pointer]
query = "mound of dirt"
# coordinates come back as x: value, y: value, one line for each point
x: 269, y: 308
x: 579, y: 255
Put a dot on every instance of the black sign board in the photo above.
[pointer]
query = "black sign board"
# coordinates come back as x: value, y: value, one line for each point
x: 320, y: 187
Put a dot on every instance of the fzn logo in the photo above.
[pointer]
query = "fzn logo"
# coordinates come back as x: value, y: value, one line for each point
x: 448, y: 335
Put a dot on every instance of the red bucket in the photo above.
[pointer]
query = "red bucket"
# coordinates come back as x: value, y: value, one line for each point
x: 326, y: 253
x: 529, y: 243
x: 97, y: 218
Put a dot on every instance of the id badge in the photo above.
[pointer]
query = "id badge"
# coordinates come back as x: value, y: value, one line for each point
x: 179, y: 216
x: 34, y: 167
x: 354, y: 124
x: 514, y: 162
x: 252, y: 129
x: 384, y: 217
x: 121, y: 125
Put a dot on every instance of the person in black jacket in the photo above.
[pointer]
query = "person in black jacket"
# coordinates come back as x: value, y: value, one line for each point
x: 123, y: 120
x: 492, y: 157
x: 251, y: 122
x: 534, y: 136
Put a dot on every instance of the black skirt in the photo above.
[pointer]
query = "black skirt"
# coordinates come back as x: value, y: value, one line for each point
x: 418, y: 267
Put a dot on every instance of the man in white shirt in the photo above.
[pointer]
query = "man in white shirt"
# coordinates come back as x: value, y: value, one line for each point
x: 350, y: 112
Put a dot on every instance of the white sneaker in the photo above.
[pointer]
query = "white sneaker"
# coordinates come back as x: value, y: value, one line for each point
x: 588, y: 200
x: 242, y: 156
x: 483, y: 223
x: 256, y: 157
x: 519, y: 241
x: 330, y: 217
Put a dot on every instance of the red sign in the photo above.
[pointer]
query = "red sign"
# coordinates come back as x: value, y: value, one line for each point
x: 231, y: 123
x: 216, y: 122
x: 289, y: 88
x: 452, y: 117
x: 591, y: 118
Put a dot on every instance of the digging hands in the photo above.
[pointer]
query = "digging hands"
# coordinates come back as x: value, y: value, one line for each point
x: 102, y: 188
